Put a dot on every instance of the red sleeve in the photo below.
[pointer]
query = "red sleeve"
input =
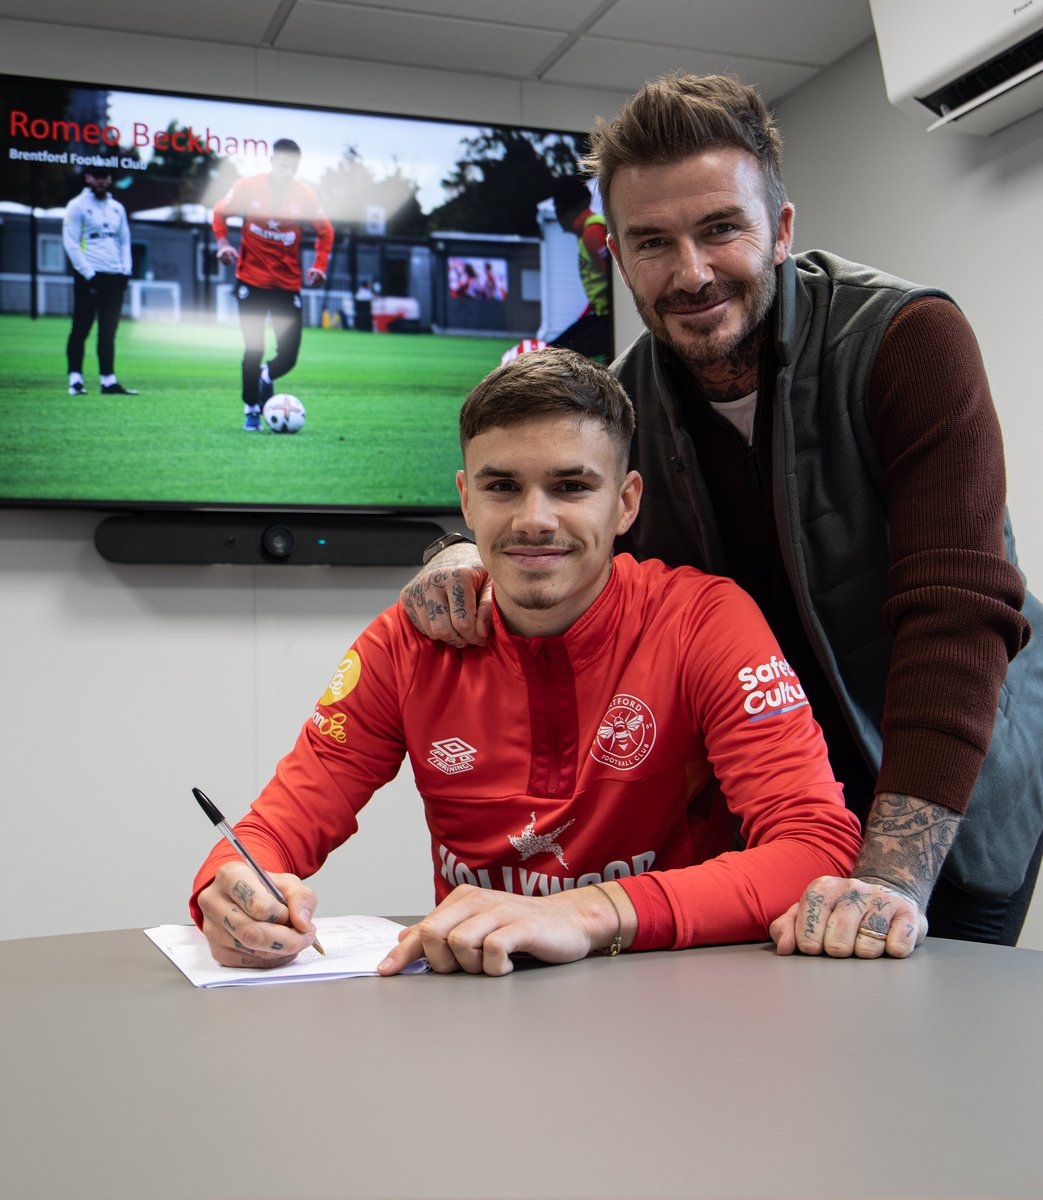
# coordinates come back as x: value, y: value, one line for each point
x: 227, y: 207
x: 323, y: 235
x: 352, y: 745
x: 595, y: 238
x: 954, y: 600
x: 770, y: 763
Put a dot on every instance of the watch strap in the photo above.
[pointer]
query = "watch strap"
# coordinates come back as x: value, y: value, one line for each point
x: 442, y: 543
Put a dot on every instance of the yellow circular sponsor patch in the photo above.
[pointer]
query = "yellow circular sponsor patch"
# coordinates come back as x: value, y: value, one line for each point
x: 344, y: 678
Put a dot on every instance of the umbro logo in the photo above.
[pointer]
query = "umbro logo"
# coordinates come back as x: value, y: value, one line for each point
x: 452, y: 755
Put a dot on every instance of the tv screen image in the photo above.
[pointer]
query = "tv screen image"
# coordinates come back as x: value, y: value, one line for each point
x: 446, y: 252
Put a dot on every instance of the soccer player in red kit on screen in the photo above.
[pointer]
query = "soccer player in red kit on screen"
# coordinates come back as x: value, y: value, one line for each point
x: 273, y: 207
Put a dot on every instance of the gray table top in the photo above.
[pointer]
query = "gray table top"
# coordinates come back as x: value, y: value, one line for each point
x: 720, y: 1072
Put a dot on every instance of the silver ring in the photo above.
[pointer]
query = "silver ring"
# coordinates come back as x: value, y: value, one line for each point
x: 872, y: 933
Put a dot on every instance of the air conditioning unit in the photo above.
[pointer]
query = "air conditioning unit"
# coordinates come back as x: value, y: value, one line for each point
x: 975, y: 66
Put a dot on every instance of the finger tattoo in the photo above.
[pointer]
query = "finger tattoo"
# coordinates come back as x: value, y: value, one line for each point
x: 854, y: 898
x: 459, y: 604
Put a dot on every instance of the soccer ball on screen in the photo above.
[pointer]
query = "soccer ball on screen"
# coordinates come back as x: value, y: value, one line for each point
x: 283, y: 413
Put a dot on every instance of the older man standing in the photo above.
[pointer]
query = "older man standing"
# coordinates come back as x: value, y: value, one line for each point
x: 824, y: 433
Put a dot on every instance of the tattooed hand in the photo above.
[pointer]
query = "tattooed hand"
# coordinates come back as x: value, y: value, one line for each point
x: 833, y: 914
x: 247, y: 927
x: 905, y: 845
x: 450, y: 600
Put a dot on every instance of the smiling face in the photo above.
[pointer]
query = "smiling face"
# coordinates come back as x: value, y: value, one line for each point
x: 694, y: 243
x: 545, y: 498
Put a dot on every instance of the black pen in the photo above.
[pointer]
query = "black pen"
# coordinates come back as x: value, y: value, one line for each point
x: 212, y: 811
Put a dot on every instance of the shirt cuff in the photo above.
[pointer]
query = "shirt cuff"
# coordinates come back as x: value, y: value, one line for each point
x: 656, y: 928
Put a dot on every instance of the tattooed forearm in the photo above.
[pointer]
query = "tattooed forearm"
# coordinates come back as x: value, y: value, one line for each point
x: 906, y: 842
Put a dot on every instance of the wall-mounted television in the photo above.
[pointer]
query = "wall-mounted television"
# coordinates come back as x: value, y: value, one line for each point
x: 446, y: 253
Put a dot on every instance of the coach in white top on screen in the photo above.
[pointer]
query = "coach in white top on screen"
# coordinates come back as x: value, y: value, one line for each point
x: 96, y: 236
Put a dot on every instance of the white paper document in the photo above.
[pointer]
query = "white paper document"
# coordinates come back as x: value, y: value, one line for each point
x: 354, y: 946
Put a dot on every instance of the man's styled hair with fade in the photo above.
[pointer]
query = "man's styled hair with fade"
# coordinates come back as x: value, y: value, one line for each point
x: 678, y: 115
x: 550, y: 382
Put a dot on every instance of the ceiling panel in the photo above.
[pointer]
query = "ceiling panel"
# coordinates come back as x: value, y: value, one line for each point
x: 416, y: 39
x: 560, y: 15
x: 610, y: 45
x: 815, y: 32
x: 241, y: 22
x: 628, y: 64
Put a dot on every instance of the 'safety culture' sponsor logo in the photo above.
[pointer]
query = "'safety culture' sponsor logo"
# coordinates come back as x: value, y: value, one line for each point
x: 771, y: 688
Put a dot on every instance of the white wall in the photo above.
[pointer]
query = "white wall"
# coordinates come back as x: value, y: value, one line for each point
x: 123, y: 686
x: 947, y: 209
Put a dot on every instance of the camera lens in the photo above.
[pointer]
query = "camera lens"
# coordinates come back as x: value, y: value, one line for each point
x: 278, y: 541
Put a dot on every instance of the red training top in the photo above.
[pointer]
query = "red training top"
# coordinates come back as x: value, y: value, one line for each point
x: 270, y: 248
x: 621, y: 750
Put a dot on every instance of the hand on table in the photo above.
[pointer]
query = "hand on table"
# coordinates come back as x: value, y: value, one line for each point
x: 476, y: 930
x: 247, y: 927
x: 450, y: 599
x: 845, y: 917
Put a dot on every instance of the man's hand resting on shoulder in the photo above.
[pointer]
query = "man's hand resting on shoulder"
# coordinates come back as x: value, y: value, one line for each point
x: 248, y: 927
x: 476, y: 930
x: 450, y: 599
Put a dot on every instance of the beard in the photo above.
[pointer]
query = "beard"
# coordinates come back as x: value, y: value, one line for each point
x: 534, y: 600
x: 535, y: 597
x: 702, y: 343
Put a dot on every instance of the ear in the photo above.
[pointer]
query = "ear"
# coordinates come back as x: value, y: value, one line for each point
x: 613, y: 247
x: 784, y: 236
x: 461, y: 487
x: 629, y: 501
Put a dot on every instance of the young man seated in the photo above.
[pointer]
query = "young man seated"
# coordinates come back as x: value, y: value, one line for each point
x: 621, y: 725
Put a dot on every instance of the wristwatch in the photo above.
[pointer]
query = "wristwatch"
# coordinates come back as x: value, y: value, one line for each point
x: 446, y: 540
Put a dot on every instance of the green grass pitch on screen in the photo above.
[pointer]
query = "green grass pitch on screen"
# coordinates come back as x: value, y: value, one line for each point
x: 381, y: 418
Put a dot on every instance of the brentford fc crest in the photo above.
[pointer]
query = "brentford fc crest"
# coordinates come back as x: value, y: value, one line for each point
x: 626, y: 733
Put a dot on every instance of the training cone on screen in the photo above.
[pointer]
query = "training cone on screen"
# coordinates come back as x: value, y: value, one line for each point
x: 283, y: 413
x: 523, y: 347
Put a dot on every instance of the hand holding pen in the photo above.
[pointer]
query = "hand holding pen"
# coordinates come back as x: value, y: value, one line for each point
x: 242, y: 899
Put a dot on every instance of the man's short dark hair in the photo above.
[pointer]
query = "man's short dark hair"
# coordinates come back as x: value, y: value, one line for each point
x: 570, y: 193
x: 678, y: 115
x: 549, y: 382
x: 286, y: 146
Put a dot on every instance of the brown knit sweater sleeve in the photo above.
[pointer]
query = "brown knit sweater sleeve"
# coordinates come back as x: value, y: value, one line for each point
x: 954, y: 600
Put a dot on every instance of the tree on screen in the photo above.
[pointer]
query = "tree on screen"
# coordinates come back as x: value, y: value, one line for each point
x: 354, y: 195
x: 503, y: 175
